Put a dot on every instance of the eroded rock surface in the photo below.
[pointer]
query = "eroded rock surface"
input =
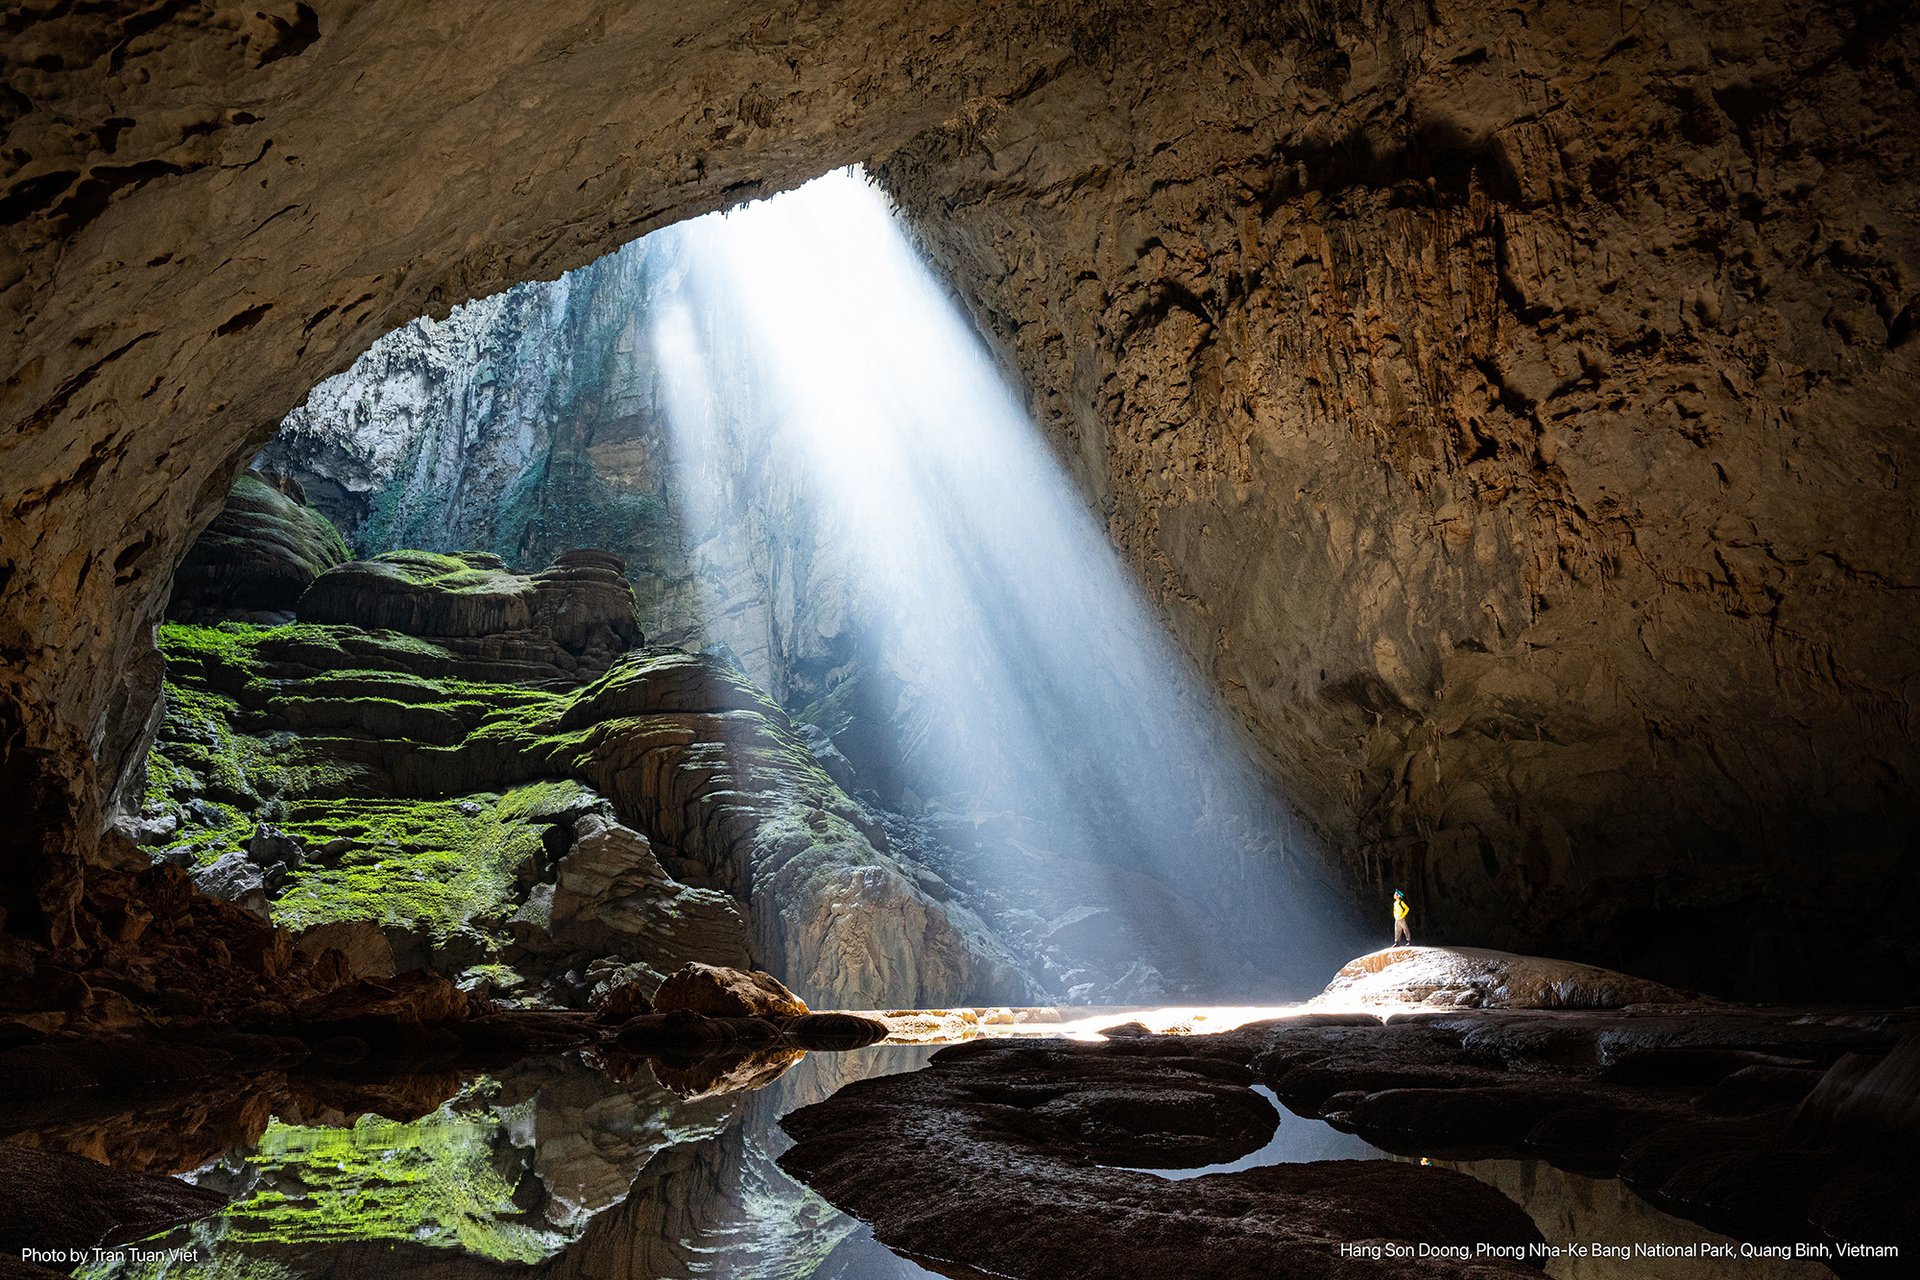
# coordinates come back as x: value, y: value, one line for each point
x: 479, y: 763
x: 1764, y: 1124
x: 997, y: 1157
x: 1508, y: 404
x: 56, y: 1201
x: 253, y: 562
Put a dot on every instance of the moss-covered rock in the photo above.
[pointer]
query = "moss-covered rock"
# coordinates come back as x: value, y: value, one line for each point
x: 582, y: 601
x: 467, y: 791
x: 256, y: 558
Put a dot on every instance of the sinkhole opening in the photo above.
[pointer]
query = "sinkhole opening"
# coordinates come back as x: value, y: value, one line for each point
x: 816, y: 473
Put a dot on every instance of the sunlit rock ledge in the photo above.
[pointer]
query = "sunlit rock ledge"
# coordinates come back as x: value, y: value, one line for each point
x: 1393, y: 980
x: 1474, y: 978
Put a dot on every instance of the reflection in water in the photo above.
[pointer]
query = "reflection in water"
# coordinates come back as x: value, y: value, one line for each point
x: 1572, y: 1209
x: 548, y: 1168
x: 555, y: 1169
x: 1296, y: 1141
x: 1567, y: 1207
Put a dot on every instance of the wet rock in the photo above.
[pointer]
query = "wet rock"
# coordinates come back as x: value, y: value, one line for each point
x: 724, y: 1073
x: 694, y: 1034
x: 237, y: 879
x: 413, y: 999
x: 618, y: 1001
x: 726, y: 993
x: 835, y: 1031
x: 59, y: 1201
x: 952, y: 1162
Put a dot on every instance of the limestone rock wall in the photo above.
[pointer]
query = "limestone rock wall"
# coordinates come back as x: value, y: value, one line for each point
x: 1514, y: 409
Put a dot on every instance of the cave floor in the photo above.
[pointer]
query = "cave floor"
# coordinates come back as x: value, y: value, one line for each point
x: 577, y: 1165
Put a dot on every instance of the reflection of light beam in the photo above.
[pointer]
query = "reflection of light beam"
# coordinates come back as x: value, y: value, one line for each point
x: 944, y: 1026
x: 1044, y: 685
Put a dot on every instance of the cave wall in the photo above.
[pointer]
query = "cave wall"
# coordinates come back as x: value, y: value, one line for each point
x: 1514, y: 409
x: 1509, y: 407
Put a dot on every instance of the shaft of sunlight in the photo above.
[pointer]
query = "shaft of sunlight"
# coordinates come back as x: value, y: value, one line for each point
x: 1047, y: 684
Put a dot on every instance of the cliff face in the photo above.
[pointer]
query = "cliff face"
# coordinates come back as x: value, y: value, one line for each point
x: 534, y: 421
x: 1510, y: 408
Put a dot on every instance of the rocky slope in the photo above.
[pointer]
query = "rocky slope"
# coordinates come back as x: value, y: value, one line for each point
x: 480, y: 770
x: 1508, y: 405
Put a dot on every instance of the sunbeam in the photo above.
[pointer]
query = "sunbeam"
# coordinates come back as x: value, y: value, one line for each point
x: 1040, y: 681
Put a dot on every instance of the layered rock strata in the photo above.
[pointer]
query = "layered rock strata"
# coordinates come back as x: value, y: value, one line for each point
x: 264, y: 547
x: 481, y: 768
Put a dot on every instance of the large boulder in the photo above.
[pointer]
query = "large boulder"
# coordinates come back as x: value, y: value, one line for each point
x: 726, y: 993
x: 235, y: 878
x: 1472, y: 978
x: 612, y: 895
x: 365, y: 950
x: 419, y: 998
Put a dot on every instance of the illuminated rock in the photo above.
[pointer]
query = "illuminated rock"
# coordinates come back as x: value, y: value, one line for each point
x: 1471, y: 978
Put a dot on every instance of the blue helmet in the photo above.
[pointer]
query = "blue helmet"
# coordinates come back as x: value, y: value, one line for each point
x: 1399, y: 893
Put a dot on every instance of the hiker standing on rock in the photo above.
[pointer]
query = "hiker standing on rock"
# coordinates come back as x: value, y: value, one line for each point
x: 1400, y: 913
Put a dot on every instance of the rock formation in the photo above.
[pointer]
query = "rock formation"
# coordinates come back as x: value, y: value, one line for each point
x: 1768, y: 1125
x: 1472, y: 978
x: 993, y: 1129
x: 411, y: 755
x: 264, y: 547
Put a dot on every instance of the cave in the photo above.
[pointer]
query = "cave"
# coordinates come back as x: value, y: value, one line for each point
x: 827, y: 640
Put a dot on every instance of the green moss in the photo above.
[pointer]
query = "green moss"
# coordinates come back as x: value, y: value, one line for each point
x: 831, y: 713
x: 437, y: 1181
x: 419, y: 863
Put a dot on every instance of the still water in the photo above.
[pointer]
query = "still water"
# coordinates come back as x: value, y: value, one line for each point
x: 560, y: 1168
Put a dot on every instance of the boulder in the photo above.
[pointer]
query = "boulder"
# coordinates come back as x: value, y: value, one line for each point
x: 1469, y: 977
x: 412, y: 999
x: 273, y: 849
x: 726, y: 993
x: 237, y: 879
x: 149, y: 829
x: 620, y: 1001
x: 829, y: 1032
x: 612, y: 896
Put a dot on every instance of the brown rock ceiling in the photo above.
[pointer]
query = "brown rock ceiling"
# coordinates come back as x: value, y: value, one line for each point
x: 1509, y: 406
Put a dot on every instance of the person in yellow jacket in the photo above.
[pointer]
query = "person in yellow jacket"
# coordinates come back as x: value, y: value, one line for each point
x: 1400, y: 913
